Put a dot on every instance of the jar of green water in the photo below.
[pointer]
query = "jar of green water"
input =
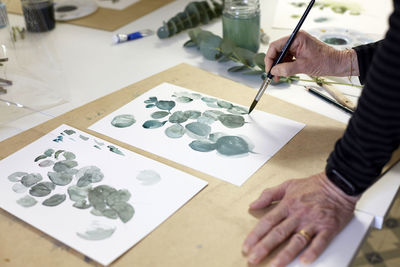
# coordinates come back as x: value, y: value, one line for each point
x: 241, y: 23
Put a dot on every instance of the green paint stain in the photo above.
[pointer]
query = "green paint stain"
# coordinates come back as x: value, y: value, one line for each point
x: 54, y: 200
x: 69, y: 132
x: 148, y: 177
x: 123, y: 121
x: 84, y: 138
x: 27, y: 201
x: 175, y: 131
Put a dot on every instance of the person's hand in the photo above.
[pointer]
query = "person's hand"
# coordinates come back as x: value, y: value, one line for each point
x: 310, y: 212
x: 310, y: 56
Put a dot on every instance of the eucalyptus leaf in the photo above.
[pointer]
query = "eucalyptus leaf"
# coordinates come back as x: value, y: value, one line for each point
x: 192, y: 114
x: 123, y: 120
x: 231, y: 121
x: 232, y: 146
x: 153, y: 124
x: 178, y: 117
x: 31, y: 179
x: 15, y: 177
x: 60, y: 178
x: 259, y: 60
x: 159, y: 114
x: 165, y: 105
x: 253, y: 72
x: 54, y: 200
x: 246, y: 57
x: 202, y: 145
x: 209, y: 47
x: 151, y: 99
x: 175, y: 131
x: 238, y: 68
x: 199, y: 129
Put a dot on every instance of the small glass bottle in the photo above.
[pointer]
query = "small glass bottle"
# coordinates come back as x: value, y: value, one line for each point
x: 241, y: 23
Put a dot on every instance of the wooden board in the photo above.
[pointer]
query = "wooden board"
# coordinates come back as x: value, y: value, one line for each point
x: 105, y: 18
x: 209, y: 229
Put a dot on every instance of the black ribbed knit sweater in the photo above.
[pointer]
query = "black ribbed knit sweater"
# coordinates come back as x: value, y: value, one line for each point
x: 373, y: 133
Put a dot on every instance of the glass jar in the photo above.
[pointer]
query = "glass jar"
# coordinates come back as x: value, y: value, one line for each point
x: 241, y: 23
x: 39, y: 15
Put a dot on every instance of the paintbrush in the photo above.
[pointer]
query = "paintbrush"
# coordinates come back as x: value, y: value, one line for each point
x: 281, y: 56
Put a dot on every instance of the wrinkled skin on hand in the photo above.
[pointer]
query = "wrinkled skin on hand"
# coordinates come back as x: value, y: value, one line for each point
x: 310, y: 56
x: 312, y: 204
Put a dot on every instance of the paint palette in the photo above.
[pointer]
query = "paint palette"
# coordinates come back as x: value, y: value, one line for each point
x: 73, y: 9
x: 341, y: 38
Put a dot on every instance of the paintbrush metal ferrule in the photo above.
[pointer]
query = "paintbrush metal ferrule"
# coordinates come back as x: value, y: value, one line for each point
x: 260, y: 92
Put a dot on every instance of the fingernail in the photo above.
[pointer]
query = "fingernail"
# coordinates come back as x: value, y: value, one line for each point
x: 245, y: 249
x: 253, y: 258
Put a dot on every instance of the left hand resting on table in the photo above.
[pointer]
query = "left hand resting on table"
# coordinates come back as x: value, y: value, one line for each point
x: 310, y: 213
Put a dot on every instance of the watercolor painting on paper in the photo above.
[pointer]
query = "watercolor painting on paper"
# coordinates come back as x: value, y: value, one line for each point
x: 330, y: 13
x: 96, y: 201
x: 202, y: 132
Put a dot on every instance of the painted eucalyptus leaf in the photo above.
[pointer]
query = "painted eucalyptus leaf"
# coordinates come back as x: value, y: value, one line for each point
x: 81, y: 204
x: 231, y: 121
x: 159, y: 114
x: 31, y: 179
x: 122, y: 195
x: 110, y: 213
x: 16, y: 176
x: 232, y: 146
x: 153, y: 124
x: 40, y: 157
x: 115, y: 150
x: 178, y: 117
x: 125, y: 211
x: 202, y: 145
x: 19, y: 188
x: 192, y: 114
x: 212, y: 114
x: 237, y: 110
x: 184, y: 99
x: 165, y: 104
x: 150, y: 105
x: 151, y: 99
x: 54, y: 200
x: 198, y: 129
x: 77, y: 193
x: 46, y: 163
x: 64, y: 165
x: 224, y: 104
x: 148, y: 177
x: 60, y: 178
x: 49, y: 152
x: 175, y: 131
x: 39, y: 190
x: 27, y: 201
x: 57, y: 154
x: 123, y: 121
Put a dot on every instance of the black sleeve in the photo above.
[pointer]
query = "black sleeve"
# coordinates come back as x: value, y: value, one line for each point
x: 365, y: 53
x: 373, y: 133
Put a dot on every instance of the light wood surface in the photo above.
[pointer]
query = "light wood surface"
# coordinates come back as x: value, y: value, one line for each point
x: 105, y: 18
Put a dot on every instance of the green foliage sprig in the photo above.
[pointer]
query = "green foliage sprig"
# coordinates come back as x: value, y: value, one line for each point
x: 195, y: 13
x: 213, y: 47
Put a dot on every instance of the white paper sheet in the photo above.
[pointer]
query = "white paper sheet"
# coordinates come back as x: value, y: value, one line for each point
x: 153, y: 200
x: 116, y: 4
x: 265, y: 134
x: 360, y: 15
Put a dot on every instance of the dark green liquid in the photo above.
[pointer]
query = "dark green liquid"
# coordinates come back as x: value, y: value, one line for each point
x: 243, y: 32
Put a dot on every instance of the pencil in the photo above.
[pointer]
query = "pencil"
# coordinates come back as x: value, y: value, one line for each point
x: 328, y: 100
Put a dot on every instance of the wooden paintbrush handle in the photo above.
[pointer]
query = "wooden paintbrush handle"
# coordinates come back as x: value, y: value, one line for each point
x: 339, y: 96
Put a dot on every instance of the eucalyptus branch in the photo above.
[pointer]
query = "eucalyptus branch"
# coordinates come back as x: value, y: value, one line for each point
x: 213, y: 47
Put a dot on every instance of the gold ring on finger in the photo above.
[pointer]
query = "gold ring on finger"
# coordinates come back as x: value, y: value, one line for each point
x: 306, y: 235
